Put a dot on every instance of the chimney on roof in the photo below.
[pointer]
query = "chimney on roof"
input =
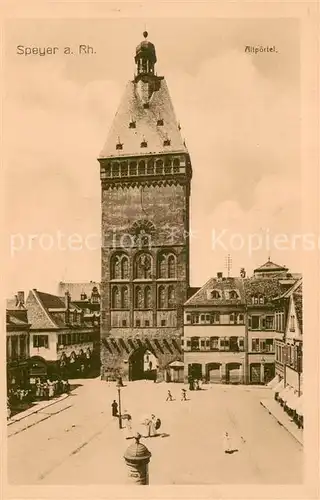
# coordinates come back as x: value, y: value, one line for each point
x: 20, y: 298
x: 67, y: 300
x: 242, y: 272
x: 219, y: 275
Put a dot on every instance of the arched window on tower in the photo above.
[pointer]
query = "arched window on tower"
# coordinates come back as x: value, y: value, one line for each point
x: 162, y: 297
x: 139, y: 299
x: 171, y: 296
x: 124, y: 268
x: 119, y: 266
x: 124, y: 298
x: 171, y: 266
x: 162, y: 266
x: 143, y: 266
x: 147, y: 298
x: 115, y: 303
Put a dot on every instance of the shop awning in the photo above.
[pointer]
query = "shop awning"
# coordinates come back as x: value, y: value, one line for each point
x: 176, y: 364
x: 286, y: 393
x: 299, y: 406
x: 292, y: 400
x: 279, y: 387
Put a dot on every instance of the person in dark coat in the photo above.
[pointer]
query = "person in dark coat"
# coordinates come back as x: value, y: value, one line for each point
x: 114, y: 407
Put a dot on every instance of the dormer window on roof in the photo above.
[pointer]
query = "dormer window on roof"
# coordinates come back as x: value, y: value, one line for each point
x: 233, y: 294
x: 166, y: 142
x: 160, y: 122
x: 215, y: 294
x: 119, y: 145
x: 144, y: 143
x: 146, y: 105
x: 132, y: 124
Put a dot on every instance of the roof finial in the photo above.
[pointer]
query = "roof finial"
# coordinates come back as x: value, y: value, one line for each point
x: 269, y: 260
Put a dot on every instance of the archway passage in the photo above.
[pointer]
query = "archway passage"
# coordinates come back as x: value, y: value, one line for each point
x: 233, y: 373
x: 213, y: 374
x: 143, y: 365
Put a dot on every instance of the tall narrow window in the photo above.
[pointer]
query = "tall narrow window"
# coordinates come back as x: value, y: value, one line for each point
x: 143, y: 266
x: 125, y: 268
x: 124, y: 298
x: 162, y: 266
x: 147, y: 297
x: 171, y: 296
x: 162, y: 297
x: 116, y: 298
x: 139, y: 299
x: 171, y: 266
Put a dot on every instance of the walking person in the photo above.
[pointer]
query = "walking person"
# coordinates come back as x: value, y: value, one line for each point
x: 183, y: 395
x: 128, y: 424
x: 114, y: 408
x: 169, y: 396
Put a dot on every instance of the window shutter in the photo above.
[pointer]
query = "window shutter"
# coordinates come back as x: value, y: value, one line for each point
x: 249, y: 321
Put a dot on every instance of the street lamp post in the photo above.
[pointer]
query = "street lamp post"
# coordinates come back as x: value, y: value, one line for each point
x: 119, y: 385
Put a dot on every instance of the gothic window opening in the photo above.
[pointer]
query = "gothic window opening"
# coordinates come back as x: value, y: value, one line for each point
x: 162, y: 297
x: 124, y: 169
x: 167, y: 166
x: 143, y: 266
x: 176, y: 165
x: 125, y: 298
x: 162, y: 266
x: 139, y: 299
x: 147, y: 297
x: 119, y: 267
x: 116, y: 302
x: 171, y: 266
x: 171, y: 296
x: 115, y: 169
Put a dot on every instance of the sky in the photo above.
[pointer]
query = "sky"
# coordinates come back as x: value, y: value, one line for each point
x: 240, y: 117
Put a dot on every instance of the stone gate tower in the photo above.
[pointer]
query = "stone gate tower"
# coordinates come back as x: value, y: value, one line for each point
x: 145, y: 173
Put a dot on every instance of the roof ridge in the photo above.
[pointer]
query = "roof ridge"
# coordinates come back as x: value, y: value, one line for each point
x: 35, y: 293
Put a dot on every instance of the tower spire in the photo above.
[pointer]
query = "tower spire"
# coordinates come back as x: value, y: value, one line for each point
x: 145, y: 57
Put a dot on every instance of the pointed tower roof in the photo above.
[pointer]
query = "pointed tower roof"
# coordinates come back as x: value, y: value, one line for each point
x: 145, y: 122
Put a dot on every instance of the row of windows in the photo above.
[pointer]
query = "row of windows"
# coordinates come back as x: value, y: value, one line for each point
x: 290, y: 355
x: 143, y: 144
x: 214, y: 318
x: 256, y: 322
x: 233, y: 344
x: 74, y: 338
x: 141, y: 323
x: 262, y: 345
x: 151, y: 167
x: 142, y: 266
x: 166, y: 298
x: 228, y: 294
x: 16, y: 346
x: 257, y: 299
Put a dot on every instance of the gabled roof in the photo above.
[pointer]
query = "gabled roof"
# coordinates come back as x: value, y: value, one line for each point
x: 270, y: 266
x: 202, y: 296
x: 132, y: 109
x: 17, y: 318
x: 294, y: 288
x: 297, y: 299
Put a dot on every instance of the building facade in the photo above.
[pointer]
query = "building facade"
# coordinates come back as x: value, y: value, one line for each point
x: 145, y: 173
x: 17, y: 342
x: 215, y: 332
x: 63, y: 335
x: 289, y: 341
x: 230, y: 331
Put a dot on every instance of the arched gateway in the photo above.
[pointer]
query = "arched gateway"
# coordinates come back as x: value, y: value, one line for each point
x: 143, y: 365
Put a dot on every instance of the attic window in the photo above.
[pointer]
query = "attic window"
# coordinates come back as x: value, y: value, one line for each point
x: 160, y: 122
x: 146, y: 105
x: 166, y: 142
x: 132, y: 124
x: 144, y: 144
x: 119, y: 145
x: 215, y: 294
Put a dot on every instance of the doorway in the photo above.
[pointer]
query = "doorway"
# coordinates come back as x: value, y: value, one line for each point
x: 143, y: 365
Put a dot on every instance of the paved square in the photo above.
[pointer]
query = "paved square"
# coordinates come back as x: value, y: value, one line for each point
x: 83, y: 444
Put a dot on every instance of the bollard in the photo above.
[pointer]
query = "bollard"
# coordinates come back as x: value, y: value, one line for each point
x: 137, y: 458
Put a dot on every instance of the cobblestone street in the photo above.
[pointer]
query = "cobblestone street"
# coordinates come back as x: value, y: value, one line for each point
x: 81, y: 443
